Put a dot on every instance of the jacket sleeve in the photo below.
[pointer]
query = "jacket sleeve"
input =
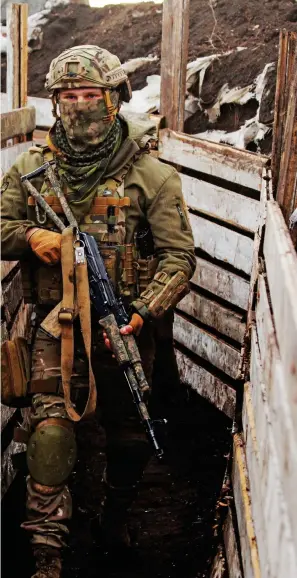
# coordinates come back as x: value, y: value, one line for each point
x: 14, y: 222
x: 172, y: 234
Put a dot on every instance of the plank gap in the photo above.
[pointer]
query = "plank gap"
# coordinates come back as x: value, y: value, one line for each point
x: 215, y: 371
x: 222, y: 264
x: 222, y: 223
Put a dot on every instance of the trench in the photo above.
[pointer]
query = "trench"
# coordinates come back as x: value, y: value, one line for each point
x: 171, y: 522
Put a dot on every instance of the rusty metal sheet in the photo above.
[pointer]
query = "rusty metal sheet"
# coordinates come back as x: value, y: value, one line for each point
x: 20, y: 121
x: 221, y: 161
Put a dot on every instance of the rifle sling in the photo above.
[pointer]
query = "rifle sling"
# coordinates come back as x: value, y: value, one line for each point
x: 79, y: 273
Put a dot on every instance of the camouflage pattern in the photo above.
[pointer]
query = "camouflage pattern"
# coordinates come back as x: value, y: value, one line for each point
x: 87, y: 65
x: 154, y: 190
x: 86, y: 123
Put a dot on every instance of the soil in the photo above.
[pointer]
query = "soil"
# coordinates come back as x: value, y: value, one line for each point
x: 133, y: 31
x: 172, y: 520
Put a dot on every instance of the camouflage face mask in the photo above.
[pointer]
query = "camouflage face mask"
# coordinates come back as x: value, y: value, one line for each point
x: 83, y: 121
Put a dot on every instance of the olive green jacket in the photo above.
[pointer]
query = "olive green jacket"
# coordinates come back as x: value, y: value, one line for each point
x: 156, y: 197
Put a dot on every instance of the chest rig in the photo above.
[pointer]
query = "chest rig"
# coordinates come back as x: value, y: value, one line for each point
x: 105, y: 220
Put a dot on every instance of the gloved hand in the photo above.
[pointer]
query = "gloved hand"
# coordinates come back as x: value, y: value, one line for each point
x: 45, y: 244
x: 134, y: 326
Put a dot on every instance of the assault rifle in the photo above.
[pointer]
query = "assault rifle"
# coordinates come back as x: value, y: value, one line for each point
x: 112, y: 316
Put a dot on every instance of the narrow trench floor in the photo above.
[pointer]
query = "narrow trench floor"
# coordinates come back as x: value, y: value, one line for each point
x: 171, y: 521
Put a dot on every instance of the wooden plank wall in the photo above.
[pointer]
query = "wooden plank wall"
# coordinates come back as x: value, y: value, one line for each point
x: 225, y: 193
x: 15, y: 314
x: 270, y: 410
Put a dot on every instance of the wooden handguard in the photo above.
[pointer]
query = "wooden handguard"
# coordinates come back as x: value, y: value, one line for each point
x: 173, y: 291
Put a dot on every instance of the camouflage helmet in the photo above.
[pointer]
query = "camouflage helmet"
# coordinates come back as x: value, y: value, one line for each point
x: 88, y: 65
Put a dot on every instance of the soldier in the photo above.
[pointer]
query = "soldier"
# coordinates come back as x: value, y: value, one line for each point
x: 97, y: 155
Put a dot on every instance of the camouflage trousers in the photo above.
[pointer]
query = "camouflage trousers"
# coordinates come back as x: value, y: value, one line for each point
x: 49, y: 509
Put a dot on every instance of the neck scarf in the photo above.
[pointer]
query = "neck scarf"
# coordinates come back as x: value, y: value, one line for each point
x: 83, y: 171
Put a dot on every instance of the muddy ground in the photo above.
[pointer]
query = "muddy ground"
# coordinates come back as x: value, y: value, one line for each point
x: 171, y: 521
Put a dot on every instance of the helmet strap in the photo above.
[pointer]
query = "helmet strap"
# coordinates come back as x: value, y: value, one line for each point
x: 111, y: 109
x: 54, y: 103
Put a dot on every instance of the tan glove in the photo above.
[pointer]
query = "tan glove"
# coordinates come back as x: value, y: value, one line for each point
x: 46, y: 245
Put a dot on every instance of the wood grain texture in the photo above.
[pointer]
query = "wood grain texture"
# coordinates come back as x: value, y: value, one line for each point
x: 281, y: 266
x: 213, y: 315
x: 174, y: 55
x: 226, y: 285
x: 270, y: 510
x: 223, y: 244
x: 9, y: 154
x: 221, y: 203
x: 210, y: 387
x: 232, y: 553
x: 17, y: 122
x: 242, y: 500
x: 222, y: 161
x: 12, y: 296
x: 6, y: 267
x: 214, y: 350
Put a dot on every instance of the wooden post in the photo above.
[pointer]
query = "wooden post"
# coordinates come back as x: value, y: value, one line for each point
x: 285, y: 74
x: 174, y: 55
x: 17, y: 55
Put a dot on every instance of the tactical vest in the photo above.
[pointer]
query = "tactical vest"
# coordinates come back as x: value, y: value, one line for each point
x: 129, y: 272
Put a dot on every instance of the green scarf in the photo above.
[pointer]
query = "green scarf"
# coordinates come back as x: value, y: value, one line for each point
x: 83, y: 171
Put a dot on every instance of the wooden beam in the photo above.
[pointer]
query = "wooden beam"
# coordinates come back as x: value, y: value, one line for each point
x: 17, y: 55
x: 218, y: 160
x: 285, y: 74
x: 286, y: 190
x: 20, y: 121
x: 174, y: 56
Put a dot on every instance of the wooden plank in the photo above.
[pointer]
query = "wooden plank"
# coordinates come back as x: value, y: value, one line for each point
x: 222, y: 244
x: 21, y: 323
x: 281, y: 266
x: 285, y: 73
x: 236, y: 209
x: 8, y: 471
x: 278, y: 403
x: 4, y: 332
x: 13, y: 56
x: 17, y: 122
x: 6, y: 267
x: 215, y: 351
x: 232, y: 554
x: 279, y: 106
x: 23, y: 54
x: 174, y: 57
x: 210, y: 387
x: 242, y: 499
x: 9, y: 154
x: 214, y: 315
x: 6, y: 414
x: 222, y: 161
x: 226, y: 285
x: 286, y: 190
x: 264, y: 474
x: 11, y: 296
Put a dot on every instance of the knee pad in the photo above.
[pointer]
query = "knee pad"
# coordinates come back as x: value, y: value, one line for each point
x: 51, y: 452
